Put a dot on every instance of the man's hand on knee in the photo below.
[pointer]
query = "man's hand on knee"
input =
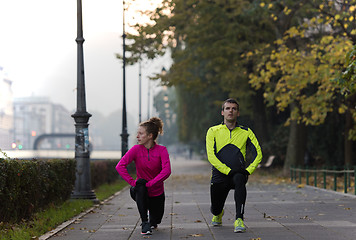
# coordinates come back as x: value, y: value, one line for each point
x: 241, y: 171
x: 244, y: 172
x: 232, y: 173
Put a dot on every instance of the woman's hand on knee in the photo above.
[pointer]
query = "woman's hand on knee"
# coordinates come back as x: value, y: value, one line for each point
x: 141, y: 181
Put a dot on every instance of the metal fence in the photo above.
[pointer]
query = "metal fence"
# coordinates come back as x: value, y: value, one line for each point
x: 317, y: 174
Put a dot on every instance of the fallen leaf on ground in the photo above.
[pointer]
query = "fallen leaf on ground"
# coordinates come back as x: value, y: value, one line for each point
x: 196, y: 235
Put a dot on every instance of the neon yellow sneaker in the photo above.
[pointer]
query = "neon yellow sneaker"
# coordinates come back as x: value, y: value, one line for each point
x: 239, y: 226
x: 217, y: 220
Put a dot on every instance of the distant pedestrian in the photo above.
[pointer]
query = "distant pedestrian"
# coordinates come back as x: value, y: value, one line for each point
x: 226, y: 145
x: 152, y: 168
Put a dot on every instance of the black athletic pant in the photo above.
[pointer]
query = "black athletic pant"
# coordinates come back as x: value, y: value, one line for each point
x: 219, y: 192
x: 144, y: 203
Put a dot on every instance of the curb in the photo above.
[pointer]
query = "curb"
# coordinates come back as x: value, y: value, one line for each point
x: 331, y: 191
x: 67, y: 223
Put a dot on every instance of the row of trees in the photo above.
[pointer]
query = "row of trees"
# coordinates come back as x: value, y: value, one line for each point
x: 290, y: 64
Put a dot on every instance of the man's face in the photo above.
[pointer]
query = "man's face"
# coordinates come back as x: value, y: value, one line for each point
x: 230, y: 112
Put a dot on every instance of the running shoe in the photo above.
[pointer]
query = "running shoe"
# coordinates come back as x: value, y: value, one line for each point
x: 217, y: 220
x: 146, y: 228
x: 239, y: 226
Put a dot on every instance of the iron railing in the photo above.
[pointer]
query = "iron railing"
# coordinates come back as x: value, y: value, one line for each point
x: 297, y: 172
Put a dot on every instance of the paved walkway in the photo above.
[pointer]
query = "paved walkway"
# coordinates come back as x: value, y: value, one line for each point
x: 272, y: 212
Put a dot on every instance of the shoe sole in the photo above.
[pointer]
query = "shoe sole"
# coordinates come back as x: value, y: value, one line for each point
x: 147, y: 233
x: 239, y: 230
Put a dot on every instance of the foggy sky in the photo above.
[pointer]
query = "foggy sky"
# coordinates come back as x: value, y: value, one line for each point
x: 39, y: 54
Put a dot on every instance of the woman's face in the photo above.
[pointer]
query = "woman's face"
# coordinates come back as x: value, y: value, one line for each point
x: 142, y: 136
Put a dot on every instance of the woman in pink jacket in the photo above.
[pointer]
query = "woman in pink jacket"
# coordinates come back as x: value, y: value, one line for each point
x: 152, y: 168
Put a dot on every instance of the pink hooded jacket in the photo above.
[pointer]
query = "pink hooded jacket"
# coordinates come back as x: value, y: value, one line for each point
x: 152, y: 165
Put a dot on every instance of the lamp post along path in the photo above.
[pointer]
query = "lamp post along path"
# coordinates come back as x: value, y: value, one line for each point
x: 82, y: 188
x: 139, y: 92
x: 124, y: 134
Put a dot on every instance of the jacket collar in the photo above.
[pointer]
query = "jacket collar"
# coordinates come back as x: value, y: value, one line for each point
x: 237, y: 124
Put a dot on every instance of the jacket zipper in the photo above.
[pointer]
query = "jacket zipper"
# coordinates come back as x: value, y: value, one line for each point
x: 148, y: 154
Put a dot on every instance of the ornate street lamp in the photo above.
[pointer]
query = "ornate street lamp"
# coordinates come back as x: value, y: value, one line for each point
x: 124, y: 135
x: 81, y: 117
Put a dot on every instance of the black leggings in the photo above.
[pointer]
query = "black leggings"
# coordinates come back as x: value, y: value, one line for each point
x: 144, y: 203
x: 219, y: 192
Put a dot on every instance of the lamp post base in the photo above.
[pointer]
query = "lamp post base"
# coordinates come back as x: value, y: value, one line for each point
x: 90, y: 195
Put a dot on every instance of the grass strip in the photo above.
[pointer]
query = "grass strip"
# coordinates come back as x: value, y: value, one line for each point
x: 106, y: 190
x: 54, y: 215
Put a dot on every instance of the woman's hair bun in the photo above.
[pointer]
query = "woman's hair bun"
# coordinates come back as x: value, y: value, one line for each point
x: 158, y: 122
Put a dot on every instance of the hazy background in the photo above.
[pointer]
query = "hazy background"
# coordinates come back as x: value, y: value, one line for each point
x: 39, y: 54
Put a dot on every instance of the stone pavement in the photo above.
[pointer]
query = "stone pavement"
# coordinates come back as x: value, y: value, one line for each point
x: 273, y: 211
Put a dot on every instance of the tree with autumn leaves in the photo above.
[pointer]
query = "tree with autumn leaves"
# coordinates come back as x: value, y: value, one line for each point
x: 302, y: 72
x: 285, y: 61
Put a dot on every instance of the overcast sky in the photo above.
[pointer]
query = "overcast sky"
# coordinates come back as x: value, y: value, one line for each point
x: 39, y: 54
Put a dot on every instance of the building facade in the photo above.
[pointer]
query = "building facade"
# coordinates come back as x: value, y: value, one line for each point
x: 6, y: 111
x: 35, y: 116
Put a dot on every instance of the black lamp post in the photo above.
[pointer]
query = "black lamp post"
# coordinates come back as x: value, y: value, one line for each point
x: 81, y: 117
x: 124, y: 135
x: 139, y: 92
x: 148, y: 99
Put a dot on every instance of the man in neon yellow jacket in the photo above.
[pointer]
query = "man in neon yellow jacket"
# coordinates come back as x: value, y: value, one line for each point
x: 226, y: 146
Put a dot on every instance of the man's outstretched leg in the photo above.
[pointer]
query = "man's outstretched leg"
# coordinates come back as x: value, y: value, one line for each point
x: 240, y: 181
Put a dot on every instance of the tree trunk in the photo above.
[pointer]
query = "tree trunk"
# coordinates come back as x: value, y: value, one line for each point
x: 260, y: 118
x: 348, y: 143
x: 297, y: 143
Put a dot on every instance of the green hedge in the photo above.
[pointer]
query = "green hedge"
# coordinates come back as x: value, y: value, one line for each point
x: 28, y: 185
x: 104, y: 171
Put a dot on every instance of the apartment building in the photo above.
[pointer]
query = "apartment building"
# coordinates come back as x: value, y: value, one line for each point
x: 6, y: 111
x: 34, y: 116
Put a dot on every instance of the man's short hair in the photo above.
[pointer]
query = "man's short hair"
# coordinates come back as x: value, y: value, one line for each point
x: 231, y: 100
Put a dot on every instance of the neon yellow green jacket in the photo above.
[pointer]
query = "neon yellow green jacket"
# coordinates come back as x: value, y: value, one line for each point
x: 226, y: 150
